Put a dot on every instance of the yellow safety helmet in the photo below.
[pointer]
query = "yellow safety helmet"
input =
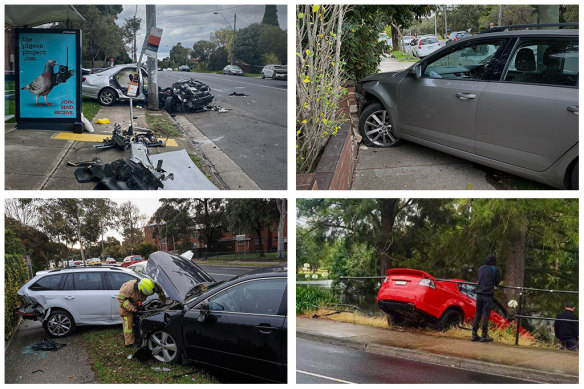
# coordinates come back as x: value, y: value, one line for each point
x: 146, y: 286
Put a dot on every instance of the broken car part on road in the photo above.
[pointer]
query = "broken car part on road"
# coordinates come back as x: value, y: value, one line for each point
x: 47, y: 345
x: 121, y: 139
x: 185, y: 96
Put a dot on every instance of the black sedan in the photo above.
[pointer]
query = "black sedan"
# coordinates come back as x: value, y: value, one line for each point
x: 239, y: 325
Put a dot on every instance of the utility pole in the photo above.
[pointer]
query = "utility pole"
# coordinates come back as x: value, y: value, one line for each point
x: 500, y: 15
x: 548, y: 14
x: 233, y: 49
x: 151, y: 63
x: 445, y: 24
x: 435, y: 23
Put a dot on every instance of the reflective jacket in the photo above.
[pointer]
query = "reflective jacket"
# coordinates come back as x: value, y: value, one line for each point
x: 129, y: 295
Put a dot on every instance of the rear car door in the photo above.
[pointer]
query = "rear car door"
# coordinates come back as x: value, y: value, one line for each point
x: 115, y: 282
x: 88, y: 299
x: 530, y: 117
x: 245, y: 330
x: 440, y: 106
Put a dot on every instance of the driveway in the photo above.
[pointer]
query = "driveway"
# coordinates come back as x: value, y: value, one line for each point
x: 23, y: 365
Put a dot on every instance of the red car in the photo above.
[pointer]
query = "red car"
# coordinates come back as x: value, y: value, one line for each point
x: 415, y: 297
x: 131, y: 259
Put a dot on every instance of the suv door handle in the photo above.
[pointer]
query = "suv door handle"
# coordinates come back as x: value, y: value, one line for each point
x: 265, y: 328
x: 69, y: 297
x: 466, y: 96
x: 573, y: 109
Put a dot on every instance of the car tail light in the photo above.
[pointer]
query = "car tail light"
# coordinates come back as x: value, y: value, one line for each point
x: 419, y: 45
x: 427, y: 282
x: 455, y: 39
x: 83, y: 79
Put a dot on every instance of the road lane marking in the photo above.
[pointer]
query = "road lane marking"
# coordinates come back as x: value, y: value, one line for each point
x: 325, y: 377
x: 248, y: 83
x: 95, y: 138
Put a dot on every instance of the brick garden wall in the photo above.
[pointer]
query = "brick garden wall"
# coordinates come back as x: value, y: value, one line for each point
x: 337, y: 164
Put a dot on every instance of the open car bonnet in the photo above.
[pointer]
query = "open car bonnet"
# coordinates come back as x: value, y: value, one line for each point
x: 176, y: 275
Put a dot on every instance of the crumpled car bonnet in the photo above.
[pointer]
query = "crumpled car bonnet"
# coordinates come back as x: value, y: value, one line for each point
x: 176, y: 275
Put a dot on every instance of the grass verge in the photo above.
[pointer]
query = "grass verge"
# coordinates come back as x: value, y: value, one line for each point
x: 111, y: 365
x: 251, y: 74
x: 90, y: 108
x: 504, y: 336
x: 161, y: 123
x: 202, y: 167
x: 401, y: 57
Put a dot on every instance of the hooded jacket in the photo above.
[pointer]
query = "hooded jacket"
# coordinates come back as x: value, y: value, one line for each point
x: 489, y: 277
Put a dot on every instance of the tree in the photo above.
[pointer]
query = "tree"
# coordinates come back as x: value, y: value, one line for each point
x: 219, y: 59
x: 179, y: 54
x: 103, y: 212
x: 145, y: 249
x: 273, y: 40
x: 282, y: 209
x: 130, y: 221
x: 251, y: 216
x: 246, y: 48
x: 203, y: 50
x: 101, y: 35
x: 131, y: 27
x: 23, y: 210
x: 271, y: 16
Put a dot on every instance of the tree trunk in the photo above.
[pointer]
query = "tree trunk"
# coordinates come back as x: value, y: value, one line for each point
x: 385, y: 241
x: 281, y: 203
x: 515, y: 262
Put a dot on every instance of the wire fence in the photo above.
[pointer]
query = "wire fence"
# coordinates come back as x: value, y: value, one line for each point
x: 522, y: 292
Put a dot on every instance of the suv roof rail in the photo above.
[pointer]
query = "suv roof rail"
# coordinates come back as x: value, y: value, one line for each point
x: 526, y: 26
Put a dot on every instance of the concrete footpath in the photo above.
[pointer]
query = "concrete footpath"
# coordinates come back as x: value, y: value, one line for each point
x: 37, y: 159
x: 528, y: 363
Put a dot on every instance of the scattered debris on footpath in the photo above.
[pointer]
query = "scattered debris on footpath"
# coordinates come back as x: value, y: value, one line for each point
x: 48, y: 345
x: 238, y: 94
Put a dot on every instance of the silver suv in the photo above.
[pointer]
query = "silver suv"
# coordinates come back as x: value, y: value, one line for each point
x: 504, y: 99
x: 65, y: 298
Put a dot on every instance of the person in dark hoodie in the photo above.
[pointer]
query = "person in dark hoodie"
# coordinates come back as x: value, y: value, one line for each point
x: 567, y: 331
x: 489, y: 278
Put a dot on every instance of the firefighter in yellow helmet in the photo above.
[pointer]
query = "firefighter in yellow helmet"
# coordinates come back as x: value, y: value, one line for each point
x: 131, y: 294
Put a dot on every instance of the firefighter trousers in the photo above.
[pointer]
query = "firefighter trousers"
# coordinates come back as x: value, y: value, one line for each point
x: 127, y: 324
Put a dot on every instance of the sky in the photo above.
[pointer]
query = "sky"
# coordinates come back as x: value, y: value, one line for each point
x: 191, y: 23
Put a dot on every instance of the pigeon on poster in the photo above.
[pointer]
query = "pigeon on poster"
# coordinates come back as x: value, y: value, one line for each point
x: 46, y: 81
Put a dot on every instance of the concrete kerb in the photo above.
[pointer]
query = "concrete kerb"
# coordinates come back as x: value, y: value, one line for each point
x: 443, y: 360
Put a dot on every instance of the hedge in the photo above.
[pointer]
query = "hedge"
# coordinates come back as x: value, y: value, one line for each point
x: 15, y: 275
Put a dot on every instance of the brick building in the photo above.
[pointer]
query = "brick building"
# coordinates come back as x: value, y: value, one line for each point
x: 229, y: 242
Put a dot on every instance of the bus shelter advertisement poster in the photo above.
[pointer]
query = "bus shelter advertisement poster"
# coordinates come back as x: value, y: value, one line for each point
x: 48, y: 83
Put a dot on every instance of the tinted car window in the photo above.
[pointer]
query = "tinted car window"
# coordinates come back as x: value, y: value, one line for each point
x: 69, y: 282
x: 116, y: 280
x: 541, y: 61
x: 259, y: 297
x: 47, y: 283
x: 468, y: 62
x: 88, y: 281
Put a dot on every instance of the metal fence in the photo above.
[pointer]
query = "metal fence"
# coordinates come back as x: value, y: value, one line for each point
x: 254, y: 255
x: 518, y: 316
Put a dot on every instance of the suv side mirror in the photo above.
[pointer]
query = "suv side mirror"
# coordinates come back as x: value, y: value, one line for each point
x: 204, y: 311
x: 416, y: 70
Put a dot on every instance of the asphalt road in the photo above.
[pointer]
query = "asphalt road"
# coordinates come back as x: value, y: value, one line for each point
x: 253, y: 131
x: 320, y: 363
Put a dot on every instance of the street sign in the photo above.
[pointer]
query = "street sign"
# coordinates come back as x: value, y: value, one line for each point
x: 153, y: 42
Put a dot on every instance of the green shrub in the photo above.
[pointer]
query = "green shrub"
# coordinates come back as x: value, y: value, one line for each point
x: 312, y: 298
x: 15, y: 275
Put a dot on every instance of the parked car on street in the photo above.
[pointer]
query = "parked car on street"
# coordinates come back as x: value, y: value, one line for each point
x: 110, y: 261
x: 131, y: 259
x: 232, y: 69
x: 406, y: 42
x: 456, y: 36
x: 110, y: 85
x: 410, y: 296
x: 63, y: 299
x: 184, y: 68
x: 492, y: 98
x: 94, y: 262
x: 275, y: 72
x: 425, y: 45
x: 239, y: 325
